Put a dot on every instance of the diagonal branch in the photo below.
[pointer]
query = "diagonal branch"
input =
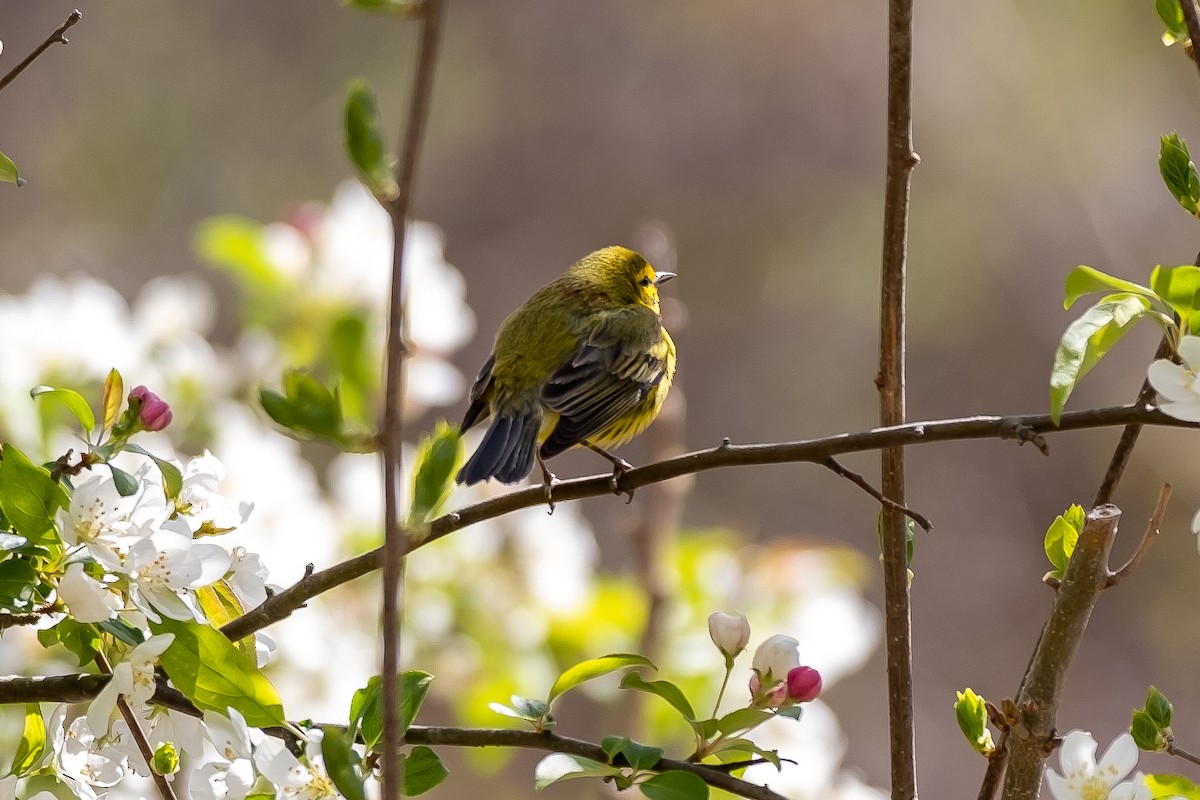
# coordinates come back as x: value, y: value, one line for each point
x: 858, y: 480
x: 54, y: 38
x: 1021, y: 428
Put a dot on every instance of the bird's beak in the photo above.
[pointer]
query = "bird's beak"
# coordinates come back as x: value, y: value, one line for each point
x: 663, y: 277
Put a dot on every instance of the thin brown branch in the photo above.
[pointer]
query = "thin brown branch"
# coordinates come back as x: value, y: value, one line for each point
x: 282, y: 604
x: 139, y: 736
x: 392, y: 428
x: 1148, y: 537
x: 1032, y: 735
x: 901, y: 160
x: 549, y: 742
x: 55, y: 38
x: 1192, y: 20
x: 1177, y: 751
x: 862, y: 483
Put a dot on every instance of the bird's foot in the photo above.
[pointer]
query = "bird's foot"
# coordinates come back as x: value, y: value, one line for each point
x: 619, y: 471
x: 549, y: 481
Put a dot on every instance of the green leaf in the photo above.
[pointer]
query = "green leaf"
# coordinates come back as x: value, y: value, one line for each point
x: 594, y: 668
x: 32, y: 746
x: 664, y: 689
x: 796, y: 712
x: 1159, y: 708
x: 1171, y: 14
x: 305, y: 407
x: 126, y: 484
x: 172, y: 478
x: 1086, y: 341
x: 112, y: 397
x: 220, y: 606
x: 401, y: 7
x: 1179, y: 173
x: 28, y: 495
x: 1179, y: 288
x: 560, y: 767
x: 423, y: 770
x: 18, y: 585
x: 1062, y: 535
x: 80, y: 638
x: 122, y: 630
x: 165, y: 760
x: 638, y: 756
x: 215, y: 675
x: 910, y: 537
x: 438, y: 458
x: 237, y: 246
x: 8, y: 172
x: 72, y: 400
x: 1085, y: 280
x: 342, y: 763
x: 742, y: 719
x: 1146, y: 733
x: 731, y: 750
x: 1170, y: 786
x: 972, y: 717
x: 366, y: 707
x: 675, y: 785
x: 365, y: 141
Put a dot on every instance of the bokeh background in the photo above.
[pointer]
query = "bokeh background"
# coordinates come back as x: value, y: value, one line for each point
x: 746, y: 142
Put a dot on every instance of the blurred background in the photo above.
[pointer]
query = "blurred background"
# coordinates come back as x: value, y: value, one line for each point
x: 745, y: 143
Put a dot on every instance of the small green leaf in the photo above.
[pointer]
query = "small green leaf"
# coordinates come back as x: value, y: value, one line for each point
x: 1159, y: 708
x: 365, y: 141
x: 1179, y: 173
x: 423, y: 770
x: 560, y: 767
x: 664, y: 689
x: 1171, y: 14
x: 675, y: 785
x: 18, y: 585
x: 28, y: 495
x: 796, y: 712
x: 305, y: 407
x: 1179, y: 288
x: 742, y: 719
x: 342, y: 763
x: 971, y: 713
x: 1172, y: 786
x: 72, y: 400
x: 1062, y: 535
x: 32, y: 746
x: 910, y: 537
x: 80, y: 638
x: 1146, y: 733
x: 126, y: 484
x: 237, y: 246
x: 400, y: 7
x: 438, y: 458
x: 122, y: 630
x: 1085, y: 280
x: 366, y: 707
x: 594, y: 668
x: 112, y: 397
x: 8, y: 172
x: 165, y: 760
x: 639, y: 756
x: 215, y: 675
x: 172, y: 478
x: 731, y: 750
x: 1086, y: 341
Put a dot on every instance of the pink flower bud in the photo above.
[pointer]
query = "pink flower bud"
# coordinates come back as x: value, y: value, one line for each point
x: 803, y: 684
x: 769, y: 699
x: 153, y: 412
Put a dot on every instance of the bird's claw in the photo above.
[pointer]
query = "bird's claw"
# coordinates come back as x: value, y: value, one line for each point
x: 614, y: 482
x: 549, y: 481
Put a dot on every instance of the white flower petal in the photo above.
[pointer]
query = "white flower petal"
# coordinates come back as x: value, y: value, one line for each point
x: 1060, y: 787
x: 1188, y: 410
x: 1171, y: 380
x: 1077, y: 756
x: 100, y: 711
x: 1119, y: 759
x: 1189, y: 351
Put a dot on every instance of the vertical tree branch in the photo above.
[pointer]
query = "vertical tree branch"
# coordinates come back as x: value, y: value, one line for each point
x: 1192, y: 20
x: 901, y: 160
x: 392, y: 428
x: 161, y: 783
x: 1031, y: 737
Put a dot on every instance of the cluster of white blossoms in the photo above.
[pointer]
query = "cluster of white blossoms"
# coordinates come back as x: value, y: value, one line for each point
x: 1179, y: 393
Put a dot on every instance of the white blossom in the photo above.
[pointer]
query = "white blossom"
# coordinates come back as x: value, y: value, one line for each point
x: 132, y: 679
x: 1176, y: 383
x: 1083, y: 778
x: 775, y: 658
x: 87, y: 599
x: 168, y: 562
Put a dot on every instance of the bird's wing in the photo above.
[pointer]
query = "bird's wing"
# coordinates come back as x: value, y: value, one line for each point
x: 480, y: 393
x: 607, y: 377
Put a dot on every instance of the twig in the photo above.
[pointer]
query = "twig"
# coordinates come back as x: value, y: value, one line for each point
x: 1192, y: 20
x: 1177, y: 751
x: 459, y: 737
x: 391, y: 431
x: 1148, y: 537
x: 54, y: 38
x: 862, y: 483
x: 139, y: 736
x: 1030, y: 738
x: 901, y: 160
x: 281, y: 605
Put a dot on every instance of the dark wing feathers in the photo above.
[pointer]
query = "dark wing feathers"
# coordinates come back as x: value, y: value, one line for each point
x: 505, y: 452
x: 605, y: 379
x: 479, y: 395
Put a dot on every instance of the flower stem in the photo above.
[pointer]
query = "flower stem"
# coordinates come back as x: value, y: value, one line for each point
x: 721, y: 694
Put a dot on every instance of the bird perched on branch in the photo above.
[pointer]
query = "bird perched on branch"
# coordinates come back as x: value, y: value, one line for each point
x: 586, y: 361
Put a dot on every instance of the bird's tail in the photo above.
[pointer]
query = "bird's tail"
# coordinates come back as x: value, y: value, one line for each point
x: 506, y: 451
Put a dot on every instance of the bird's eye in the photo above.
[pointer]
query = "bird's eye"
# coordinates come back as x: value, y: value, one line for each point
x: 646, y: 281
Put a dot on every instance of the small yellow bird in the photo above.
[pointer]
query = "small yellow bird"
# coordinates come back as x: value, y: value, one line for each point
x: 586, y: 361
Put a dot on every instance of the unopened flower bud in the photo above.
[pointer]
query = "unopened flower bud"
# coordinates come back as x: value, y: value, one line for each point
x: 729, y: 632
x: 803, y: 684
x: 766, y: 699
x: 775, y: 658
x: 153, y: 412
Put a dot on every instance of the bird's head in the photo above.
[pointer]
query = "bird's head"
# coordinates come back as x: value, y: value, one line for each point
x: 626, y: 276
